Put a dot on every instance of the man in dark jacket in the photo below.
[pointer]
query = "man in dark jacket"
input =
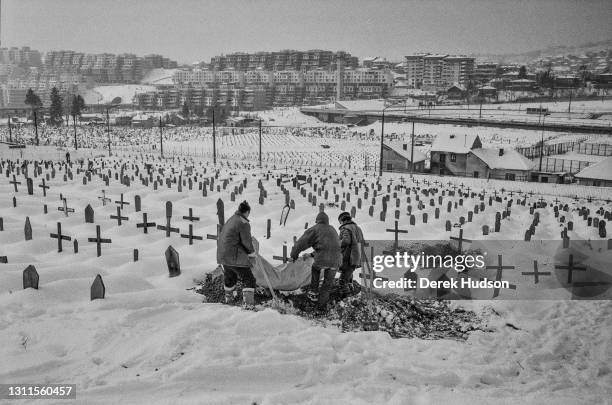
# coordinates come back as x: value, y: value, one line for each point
x: 350, y: 238
x: 235, y: 252
x: 323, y: 238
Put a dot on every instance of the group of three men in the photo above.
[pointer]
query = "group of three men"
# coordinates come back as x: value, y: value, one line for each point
x: 332, y: 252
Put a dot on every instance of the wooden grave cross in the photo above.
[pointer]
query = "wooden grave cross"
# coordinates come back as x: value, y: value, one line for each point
x: 59, y: 237
x: 396, y: 232
x: 121, y: 202
x: 99, y: 240
x: 570, y: 268
x: 145, y: 225
x: 460, y: 239
x: 500, y: 267
x: 118, y: 217
x: 64, y: 208
x: 191, y: 218
x: 190, y: 235
x: 44, y: 187
x: 536, y: 273
x: 15, y: 183
x: 104, y: 198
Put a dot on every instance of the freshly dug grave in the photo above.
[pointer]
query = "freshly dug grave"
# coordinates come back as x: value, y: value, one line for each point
x: 400, y: 316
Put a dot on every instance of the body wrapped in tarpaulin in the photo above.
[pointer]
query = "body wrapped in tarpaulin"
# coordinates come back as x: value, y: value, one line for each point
x: 285, y: 277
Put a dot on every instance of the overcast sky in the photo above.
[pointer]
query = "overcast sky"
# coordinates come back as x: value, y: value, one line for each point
x: 194, y: 30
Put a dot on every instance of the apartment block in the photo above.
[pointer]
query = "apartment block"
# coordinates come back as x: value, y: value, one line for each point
x: 437, y: 72
x: 283, y: 60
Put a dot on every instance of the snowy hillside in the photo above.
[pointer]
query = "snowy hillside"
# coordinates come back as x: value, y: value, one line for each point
x: 152, y: 340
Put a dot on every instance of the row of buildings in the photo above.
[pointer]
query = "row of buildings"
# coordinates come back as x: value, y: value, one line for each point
x: 595, y: 62
x: 23, y: 56
x: 105, y: 67
x: 294, y: 87
x: 198, y: 99
x: 291, y: 77
x: 272, y: 88
x: 464, y: 155
x: 283, y: 60
x: 23, y: 66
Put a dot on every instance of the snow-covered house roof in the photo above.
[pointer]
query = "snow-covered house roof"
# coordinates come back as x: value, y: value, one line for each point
x: 597, y: 171
x: 456, y: 87
x: 452, y: 143
x: 508, y: 159
x: 398, y: 147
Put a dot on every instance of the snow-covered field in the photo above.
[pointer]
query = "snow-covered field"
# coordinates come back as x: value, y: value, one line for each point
x: 152, y: 340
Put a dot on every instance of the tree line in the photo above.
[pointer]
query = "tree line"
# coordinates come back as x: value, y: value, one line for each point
x: 74, y: 105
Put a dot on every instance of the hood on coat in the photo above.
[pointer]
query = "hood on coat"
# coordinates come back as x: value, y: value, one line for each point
x: 322, y: 218
x: 239, y: 214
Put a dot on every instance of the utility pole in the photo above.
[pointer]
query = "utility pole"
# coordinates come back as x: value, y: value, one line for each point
x: 542, y: 143
x: 260, y: 143
x: 36, y: 127
x: 161, y: 138
x: 382, y: 138
x: 10, y: 130
x: 214, y: 140
x: 412, y: 150
x: 108, y: 132
x: 76, y: 146
x: 569, y: 107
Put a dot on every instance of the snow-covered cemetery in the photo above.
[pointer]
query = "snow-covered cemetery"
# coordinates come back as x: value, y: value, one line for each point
x: 397, y: 249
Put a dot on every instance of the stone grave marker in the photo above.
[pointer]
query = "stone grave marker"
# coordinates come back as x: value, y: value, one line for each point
x: 89, y: 214
x: 97, y: 290
x: 27, y: 229
x: 172, y: 260
x: 30, y: 277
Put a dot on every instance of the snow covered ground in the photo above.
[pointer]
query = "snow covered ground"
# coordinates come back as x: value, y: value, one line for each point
x: 152, y: 340
x: 588, y: 113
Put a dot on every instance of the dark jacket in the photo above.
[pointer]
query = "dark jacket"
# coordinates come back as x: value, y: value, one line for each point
x: 234, y: 244
x: 350, y: 237
x: 323, y: 238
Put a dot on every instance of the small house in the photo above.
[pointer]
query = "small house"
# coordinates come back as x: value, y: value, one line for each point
x: 498, y: 163
x: 598, y: 174
x: 449, y: 153
x: 397, y: 157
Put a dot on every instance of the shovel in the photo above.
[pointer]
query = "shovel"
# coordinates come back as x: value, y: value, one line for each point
x: 369, y: 324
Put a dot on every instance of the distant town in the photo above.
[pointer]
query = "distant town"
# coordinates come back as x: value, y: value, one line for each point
x: 262, y: 80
